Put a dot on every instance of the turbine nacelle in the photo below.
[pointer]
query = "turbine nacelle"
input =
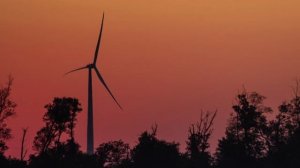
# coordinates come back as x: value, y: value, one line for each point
x: 91, y: 66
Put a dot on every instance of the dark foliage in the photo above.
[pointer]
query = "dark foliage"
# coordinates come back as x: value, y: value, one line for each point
x: 60, y: 118
x: 7, y: 109
x: 114, y: 154
x: 285, y: 135
x: 245, y: 141
x: 151, y: 152
x: 250, y: 141
x: 63, y: 156
x: 197, y: 144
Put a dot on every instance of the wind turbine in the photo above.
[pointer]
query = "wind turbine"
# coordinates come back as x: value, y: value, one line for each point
x: 90, y: 67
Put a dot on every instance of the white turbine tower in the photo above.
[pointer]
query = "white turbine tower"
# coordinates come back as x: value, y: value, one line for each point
x: 90, y: 67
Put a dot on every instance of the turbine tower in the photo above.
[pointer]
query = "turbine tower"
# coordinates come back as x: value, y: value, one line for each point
x: 90, y: 67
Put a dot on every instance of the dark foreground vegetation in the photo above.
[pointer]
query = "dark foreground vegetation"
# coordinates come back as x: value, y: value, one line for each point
x: 251, y: 139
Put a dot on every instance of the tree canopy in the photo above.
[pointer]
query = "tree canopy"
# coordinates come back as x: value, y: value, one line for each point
x: 251, y: 139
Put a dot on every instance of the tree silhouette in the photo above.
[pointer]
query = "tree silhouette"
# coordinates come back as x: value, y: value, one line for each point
x: 245, y: 139
x: 7, y: 109
x: 197, y: 144
x: 113, y: 154
x: 285, y: 134
x: 250, y: 139
x: 287, y: 121
x: 151, y: 152
x: 281, y: 128
x: 60, y: 118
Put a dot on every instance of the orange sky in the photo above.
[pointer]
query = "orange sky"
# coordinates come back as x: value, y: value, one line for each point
x: 165, y: 60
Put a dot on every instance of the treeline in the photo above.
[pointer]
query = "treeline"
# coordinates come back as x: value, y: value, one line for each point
x: 251, y: 140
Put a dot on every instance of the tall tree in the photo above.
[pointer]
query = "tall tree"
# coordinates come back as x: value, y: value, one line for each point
x: 7, y: 109
x: 288, y: 119
x: 245, y: 139
x: 197, y: 144
x: 60, y: 118
x: 284, y: 133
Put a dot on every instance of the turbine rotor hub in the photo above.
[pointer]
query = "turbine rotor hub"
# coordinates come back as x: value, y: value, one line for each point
x: 90, y: 66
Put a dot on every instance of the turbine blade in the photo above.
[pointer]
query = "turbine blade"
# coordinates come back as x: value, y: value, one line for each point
x: 99, y: 41
x: 105, y: 85
x: 76, y: 70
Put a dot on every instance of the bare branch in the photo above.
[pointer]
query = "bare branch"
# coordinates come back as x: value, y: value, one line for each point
x: 22, y: 145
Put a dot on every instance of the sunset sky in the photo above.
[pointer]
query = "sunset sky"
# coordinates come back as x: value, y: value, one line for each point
x: 164, y: 60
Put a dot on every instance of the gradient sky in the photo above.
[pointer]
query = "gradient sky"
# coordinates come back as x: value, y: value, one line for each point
x: 164, y: 60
